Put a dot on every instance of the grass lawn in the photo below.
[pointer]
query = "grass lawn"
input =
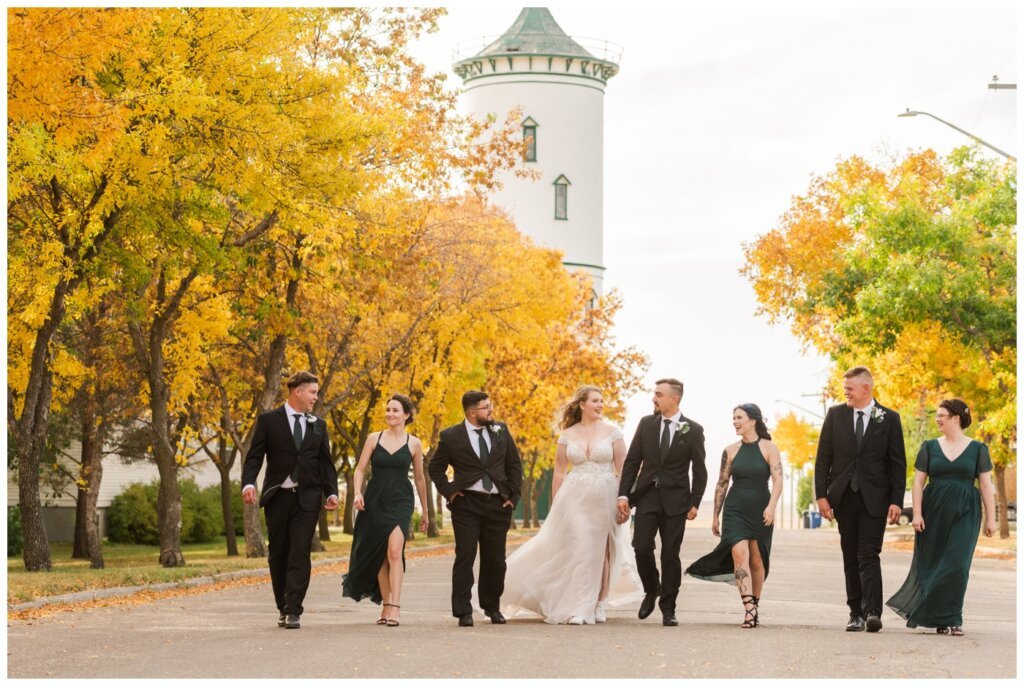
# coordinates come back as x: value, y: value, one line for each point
x: 134, y: 565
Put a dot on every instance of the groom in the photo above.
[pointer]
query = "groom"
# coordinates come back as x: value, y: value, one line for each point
x: 664, y: 448
x: 299, y: 472
x: 481, y: 497
x: 860, y: 476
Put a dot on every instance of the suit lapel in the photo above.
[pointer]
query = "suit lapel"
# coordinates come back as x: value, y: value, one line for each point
x: 310, y: 431
x: 653, y: 445
x: 464, y: 437
x: 869, y: 427
x: 287, y: 427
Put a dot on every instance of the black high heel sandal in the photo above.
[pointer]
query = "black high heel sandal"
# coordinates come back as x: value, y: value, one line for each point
x: 750, y: 618
x: 757, y: 604
x: 381, y: 620
x: 393, y: 622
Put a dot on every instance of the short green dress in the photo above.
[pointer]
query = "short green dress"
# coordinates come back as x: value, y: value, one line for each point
x: 388, y: 504
x: 742, y: 517
x: 933, y: 594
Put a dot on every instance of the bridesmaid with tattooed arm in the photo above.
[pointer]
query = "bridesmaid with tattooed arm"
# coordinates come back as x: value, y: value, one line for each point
x: 742, y: 556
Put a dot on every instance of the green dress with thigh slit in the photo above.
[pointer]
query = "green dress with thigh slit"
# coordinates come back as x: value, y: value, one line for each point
x: 388, y: 504
x: 742, y: 516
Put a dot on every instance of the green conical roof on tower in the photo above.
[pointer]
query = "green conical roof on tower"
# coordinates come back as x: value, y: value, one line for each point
x: 535, y: 32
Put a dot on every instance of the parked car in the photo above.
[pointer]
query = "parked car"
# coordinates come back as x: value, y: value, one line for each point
x: 907, y: 514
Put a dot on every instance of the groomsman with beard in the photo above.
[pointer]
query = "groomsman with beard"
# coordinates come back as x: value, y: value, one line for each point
x: 482, y: 495
x: 656, y: 480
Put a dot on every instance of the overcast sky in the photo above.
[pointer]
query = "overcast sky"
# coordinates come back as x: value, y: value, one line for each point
x: 715, y: 120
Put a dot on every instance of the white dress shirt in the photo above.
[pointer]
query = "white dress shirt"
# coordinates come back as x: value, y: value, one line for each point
x: 474, y: 440
x: 867, y: 416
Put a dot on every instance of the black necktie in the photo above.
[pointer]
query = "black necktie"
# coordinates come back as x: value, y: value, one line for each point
x: 297, y: 431
x: 484, y: 454
x: 666, y: 439
x: 859, y: 433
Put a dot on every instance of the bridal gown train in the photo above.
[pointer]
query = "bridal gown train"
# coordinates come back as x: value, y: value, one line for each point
x: 558, y: 573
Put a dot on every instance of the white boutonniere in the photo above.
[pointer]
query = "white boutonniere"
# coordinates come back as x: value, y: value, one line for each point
x: 495, y: 429
x: 684, y: 428
x: 310, y: 418
x: 877, y: 415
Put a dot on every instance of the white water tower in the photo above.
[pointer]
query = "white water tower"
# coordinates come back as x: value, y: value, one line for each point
x: 558, y: 84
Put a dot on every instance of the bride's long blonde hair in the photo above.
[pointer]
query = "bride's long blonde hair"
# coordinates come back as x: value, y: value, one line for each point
x: 571, y: 413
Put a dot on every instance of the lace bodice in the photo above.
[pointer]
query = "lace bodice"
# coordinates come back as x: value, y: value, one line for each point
x: 600, y: 457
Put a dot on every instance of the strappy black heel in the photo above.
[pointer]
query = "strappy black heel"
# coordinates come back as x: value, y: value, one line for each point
x: 392, y: 622
x: 750, y: 617
x: 757, y: 604
x: 381, y: 620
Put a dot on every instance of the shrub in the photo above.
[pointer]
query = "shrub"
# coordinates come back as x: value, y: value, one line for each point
x: 15, y: 542
x: 132, y: 515
x: 201, y: 519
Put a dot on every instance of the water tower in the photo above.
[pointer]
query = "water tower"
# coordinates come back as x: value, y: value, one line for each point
x: 558, y: 84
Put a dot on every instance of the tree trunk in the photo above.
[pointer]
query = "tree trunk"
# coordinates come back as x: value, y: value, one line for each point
x: 226, y: 495
x: 527, y: 501
x: 348, y: 526
x: 325, y: 532
x: 87, y: 545
x: 30, y: 438
x: 534, y: 495
x: 999, y: 472
x: 431, y: 513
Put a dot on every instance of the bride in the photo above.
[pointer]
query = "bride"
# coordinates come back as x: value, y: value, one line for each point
x: 580, y: 561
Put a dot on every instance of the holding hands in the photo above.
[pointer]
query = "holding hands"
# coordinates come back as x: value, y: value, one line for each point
x: 622, y: 511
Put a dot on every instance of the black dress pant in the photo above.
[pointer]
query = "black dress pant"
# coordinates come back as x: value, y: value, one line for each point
x: 290, y: 530
x: 860, y: 537
x: 479, y: 520
x: 651, y: 519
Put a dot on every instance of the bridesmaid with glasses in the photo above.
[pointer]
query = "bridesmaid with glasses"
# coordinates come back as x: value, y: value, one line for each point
x: 947, y: 517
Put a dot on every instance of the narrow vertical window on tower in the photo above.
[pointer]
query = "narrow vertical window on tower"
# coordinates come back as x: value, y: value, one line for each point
x: 562, y: 197
x: 530, y: 138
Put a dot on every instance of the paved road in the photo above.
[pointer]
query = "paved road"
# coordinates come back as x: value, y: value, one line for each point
x: 233, y: 633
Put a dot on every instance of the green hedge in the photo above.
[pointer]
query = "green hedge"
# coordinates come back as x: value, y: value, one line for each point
x: 15, y: 542
x: 132, y: 516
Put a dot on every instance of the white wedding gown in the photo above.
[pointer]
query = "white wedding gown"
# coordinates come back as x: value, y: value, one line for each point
x: 557, y: 573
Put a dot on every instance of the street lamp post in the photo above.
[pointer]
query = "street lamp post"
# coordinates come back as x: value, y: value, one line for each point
x: 914, y: 113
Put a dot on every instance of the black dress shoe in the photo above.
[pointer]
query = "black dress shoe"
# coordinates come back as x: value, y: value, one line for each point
x: 496, y: 617
x: 291, y: 622
x: 669, y: 619
x: 466, y: 620
x: 856, y: 623
x: 874, y: 623
x: 280, y: 620
x: 647, y: 605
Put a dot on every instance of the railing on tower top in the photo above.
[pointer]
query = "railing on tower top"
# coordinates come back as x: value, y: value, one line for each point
x: 601, y: 49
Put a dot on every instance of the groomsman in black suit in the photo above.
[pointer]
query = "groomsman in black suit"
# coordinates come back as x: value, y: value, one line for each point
x: 300, y: 472
x: 482, y: 495
x: 656, y: 480
x: 860, y: 476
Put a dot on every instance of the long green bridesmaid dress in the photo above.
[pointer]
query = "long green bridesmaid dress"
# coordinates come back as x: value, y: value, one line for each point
x: 388, y: 504
x: 933, y: 594
x: 742, y: 517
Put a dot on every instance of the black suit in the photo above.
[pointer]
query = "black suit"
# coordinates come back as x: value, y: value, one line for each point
x: 478, y: 519
x: 662, y: 493
x: 881, y: 472
x: 292, y: 514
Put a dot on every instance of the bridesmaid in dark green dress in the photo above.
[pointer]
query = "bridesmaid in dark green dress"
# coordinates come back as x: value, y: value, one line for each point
x: 947, y: 517
x: 377, y: 562
x: 742, y: 556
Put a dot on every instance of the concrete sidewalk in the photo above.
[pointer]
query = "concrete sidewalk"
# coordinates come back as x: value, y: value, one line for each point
x: 233, y: 632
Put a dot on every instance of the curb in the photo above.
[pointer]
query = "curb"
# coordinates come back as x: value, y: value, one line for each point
x: 194, y: 582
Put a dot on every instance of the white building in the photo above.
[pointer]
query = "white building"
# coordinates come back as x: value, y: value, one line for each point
x: 559, y: 85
